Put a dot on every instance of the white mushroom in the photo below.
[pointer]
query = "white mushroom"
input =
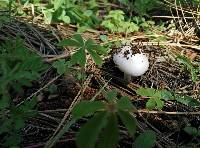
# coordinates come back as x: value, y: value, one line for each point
x: 131, y: 64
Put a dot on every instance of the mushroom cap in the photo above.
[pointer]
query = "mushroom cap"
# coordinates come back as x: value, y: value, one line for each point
x: 129, y: 63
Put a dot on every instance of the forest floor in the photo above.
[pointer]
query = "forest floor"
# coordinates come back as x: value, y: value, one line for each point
x: 165, y: 72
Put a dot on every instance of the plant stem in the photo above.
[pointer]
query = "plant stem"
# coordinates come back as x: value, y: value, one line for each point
x: 53, y: 140
x: 127, y: 78
x: 82, y: 72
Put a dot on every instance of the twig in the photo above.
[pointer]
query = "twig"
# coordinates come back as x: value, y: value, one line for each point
x: 75, y: 101
x: 42, y: 37
x: 179, y: 21
x: 58, y: 57
x: 50, y: 117
x: 173, y: 6
x: 170, y: 44
x: 35, y: 93
x: 169, y: 113
x: 171, y: 17
x: 136, y: 111
x: 183, y: 14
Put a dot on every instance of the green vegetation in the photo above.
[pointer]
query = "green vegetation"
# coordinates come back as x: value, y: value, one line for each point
x: 105, y: 116
x: 79, y: 57
x: 68, y: 12
x: 188, y: 64
x: 115, y: 22
x: 157, y: 98
x: 192, y: 131
x: 18, y: 69
x: 115, y: 111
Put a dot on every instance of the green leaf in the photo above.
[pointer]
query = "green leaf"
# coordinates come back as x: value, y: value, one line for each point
x: 125, y: 104
x: 89, y: 132
x: 97, y: 59
x: 6, y: 125
x: 159, y: 103
x: 151, y: 104
x: 58, y: 14
x: 110, y: 134
x: 191, y: 130
x: 88, y: 13
x: 79, y: 39
x: 51, y: 142
x: 100, y: 49
x: 146, y: 91
x: 157, y: 94
x: 194, y: 75
x: 79, y: 57
x: 36, y: 1
x: 4, y: 3
x: 111, y: 95
x: 129, y: 121
x: 18, y: 68
x: 53, y: 88
x: 87, y: 108
x: 19, y: 123
x: 186, y: 100
x: 82, y: 29
x: 117, y: 15
x: 66, y: 19
x: 58, y: 3
x: 29, y: 104
x: 186, y: 61
x: 109, y: 25
x: 103, y: 38
x: 90, y: 44
x: 81, y: 76
x: 69, y: 42
x: 144, y: 25
x: 4, y: 102
x: 60, y: 66
x: 115, y: 23
x: 145, y: 140
x: 13, y: 140
x: 129, y: 27
x: 48, y: 15
x: 198, y: 133
x: 166, y: 95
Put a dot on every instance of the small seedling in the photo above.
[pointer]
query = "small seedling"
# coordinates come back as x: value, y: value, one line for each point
x: 115, y: 22
x: 192, y: 131
x: 148, y: 136
x: 157, y: 98
x: 103, y: 38
x: 84, y: 47
x: 188, y: 64
x: 69, y: 12
x: 102, y: 129
x: 104, y: 121
x: 62, y: 66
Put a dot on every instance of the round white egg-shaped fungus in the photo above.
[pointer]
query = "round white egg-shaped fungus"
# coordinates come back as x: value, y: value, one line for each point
x: 129, y: 63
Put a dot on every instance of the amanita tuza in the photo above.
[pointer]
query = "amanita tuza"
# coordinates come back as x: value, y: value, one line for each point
x: 129, y: 63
